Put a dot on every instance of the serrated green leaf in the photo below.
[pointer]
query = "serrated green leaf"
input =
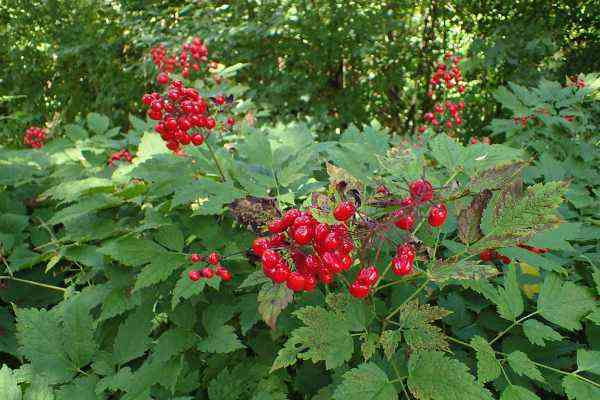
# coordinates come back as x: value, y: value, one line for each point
x: 539, y: 333
x: 9, y: 388
x: 434, y: 376
x: 132, y: 339
x: 97, y: 122
x: 389, y: 341
x: 221, y: 340
x: 447, y: 151
x: 254, y: 279
x: 39, y: 389
x: 488, y: 367
x: 495, y: 177
x: 369, y: 345
x: 594, y: 317
x: 73, y: 190
x: 536, y: 260
x: 513, y: 392
x: 84, y: 207
x: 78, y: 334
x: 40, y: 338
x: 272, y: 299
x: 588, y: 361
x: 132, y: 251
x: 462, y: 270
x: 564, y: 303
x: 249, y: 316
x: 159, y: 269
x: 221, y: 387
x: 81, y: 389
x: 416, y: 323
x: 185, y: 288
x: 522, y: 365
x: 365, y: 382
x: 324, y: 337
x: 171, y: 343
x: 171, y: 237
x: 508, y: 298
x: 206, y: 196
x: 579, y: 390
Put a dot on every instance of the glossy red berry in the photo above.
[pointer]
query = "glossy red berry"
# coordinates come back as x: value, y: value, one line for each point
x: 295, y: 281
x: 303, y: 234
x: 260, y: 245
x: 197, y: 139
x: 331, y: 242
x: 368, y: 276
x: 310, y: 283
x: 359, y: 290
x: 195, y: 258
x: 281, y: 274
x: 402, y: 266
x: 194, y: 275
x: 290, y: 216
x: 162, y: 78
x: 421, y: 191
x: 276, y: 226
x: 344, y: 211
x: 207, y: 272
x: 505, y: 260
x: 487, y: 255
x: 213, y: 258
x: 270, y: 258
x: 224, y: 273
x: 405, y: 220
x: 437, y: 215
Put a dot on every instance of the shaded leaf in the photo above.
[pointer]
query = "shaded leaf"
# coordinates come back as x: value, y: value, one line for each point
x: 365, y: 382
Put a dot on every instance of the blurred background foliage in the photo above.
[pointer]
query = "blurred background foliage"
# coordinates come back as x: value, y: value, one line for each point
x: 330, y: 61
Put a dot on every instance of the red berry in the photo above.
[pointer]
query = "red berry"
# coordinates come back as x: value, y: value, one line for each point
x: 195, y: 258
x: 422, y: 129
x: 405, y: 220
x: 402, y: 266
x: 224, y: 273
x: 437, y: 215
x: 421, y: 191
x: 321, y: 232
x: 303, y: 234
x: 281, y: 274
x: 310, y: 283
x: 505, y: 260
x: 331, y: 241
x: 213, y: 258
x: 487, y: 255
x: 162, y: 78
x: 194, y: 275
x: 197, y: 139
x: 368, y: 276
x: 207, y: 272
x: 290, y: 216
x: 260, y: 245
x: 344, y: 211
x: 358, y: 290
x: 295, y: 281
x: 270, y: 259
x: 276, y: 226
x: 406, y: 250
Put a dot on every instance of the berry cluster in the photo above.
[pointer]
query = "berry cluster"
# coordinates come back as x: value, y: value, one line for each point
x: 421, y: 192
x: 34, y: 137
x: 448, y: 77
x: 484, y: 140
x: 366, y: 278
x: 188, y: 59
x: 318, y: 251
x: 403, y: 262
x: 208, y: 272
x: 119, y: 156
x: 183, y: 115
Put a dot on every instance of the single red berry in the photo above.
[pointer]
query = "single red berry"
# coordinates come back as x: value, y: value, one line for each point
x: 281, y: 274
x: 224, y: 273
x: 402, y: 266
x: 296, y: 282
x: 213, y: 258
x: 421, y: 191
x: 505, y: 260
x: 259, y: 245
x: 368, y: 276
x: 344, y: 211
x: 405, y: 220
x: 346, y: 261
x: 207, y: 272
x: 437, y: 215
x: 197, y: 139
x: 290, y: 216
x: 194, y: 275
x: 310, y: 283
x: 406, y: 250
x: 358, y: 290
x: 331, y: 242
x: 276, y: 226
x: 195, y: 258
x: 303, y: 234
x: 422, y: 129
x: 486, y: 255
x: 270, y: 258
x: 162, y: 78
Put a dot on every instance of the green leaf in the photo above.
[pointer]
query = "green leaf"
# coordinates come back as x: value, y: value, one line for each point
x: 513, y: 392
x: 185, y: 288
x: 272, y: 299
x: 447, y: 151
x: 462, y: 270
x: 539, y: 333
x: 536, y: 260
x: 220, y: 340
x: 488, y: 367
x: 523, y: 366
x: 579, y: 390
x: 469, y: 219
x: 324, y: 337
x: 434, y: 376
x: 76, y: 132
x: 365, y: 382
x: 248, y: 307
x: 79, y: 327
x: 72, y: 190
x: 594, y: 317
x: 221, y: 388
x: 369, y: 345
x: 588, y: 361
x: 98, y: 123
x: 39, y: 390
x: 159, y: 269
x: 416, y: 323
x: 81, y: 389
x: 495, y: 177
x: 508, y: 298
x: 206, y: 196
x: 132, y: 339
x: 132, y: 251
x: 9, y: 388
x: 84, y: 207
x: 564, y: 303
x: 170, y: 236
x: 254, y: 279
x: 172, y: 343
x: 40, y: 338
x: 389, y: 341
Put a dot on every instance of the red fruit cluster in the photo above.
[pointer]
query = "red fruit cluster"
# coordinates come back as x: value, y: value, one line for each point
x: 447, y: 78
x: 533, y: 249
x: 303, y: 251
x: 403, y: 262
x: 119, y: 156
x: 421, y: 192
x: 484, y: 140
x: 183, y: 115
x: 366, y: 278
x: 491, y: 255
x: 34, y: 137
x: 187, y: 60
x: 208, y: 272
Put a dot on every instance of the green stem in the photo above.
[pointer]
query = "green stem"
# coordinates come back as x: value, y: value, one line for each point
x: 12, y: 278
x: 517, y: 322
x: 214, y: 157
x: 412, y: 296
